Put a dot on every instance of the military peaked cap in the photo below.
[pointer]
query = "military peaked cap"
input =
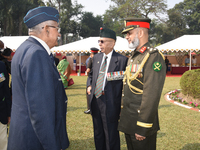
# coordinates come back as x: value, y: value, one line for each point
x: 132, y: 23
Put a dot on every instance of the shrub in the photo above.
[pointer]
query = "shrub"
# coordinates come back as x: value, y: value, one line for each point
x: 190, y: 83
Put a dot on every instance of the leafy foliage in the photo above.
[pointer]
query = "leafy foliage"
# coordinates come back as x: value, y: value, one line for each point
x: 190, y: 82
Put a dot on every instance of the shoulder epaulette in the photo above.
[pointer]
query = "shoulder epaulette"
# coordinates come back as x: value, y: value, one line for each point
x: 153, y: 50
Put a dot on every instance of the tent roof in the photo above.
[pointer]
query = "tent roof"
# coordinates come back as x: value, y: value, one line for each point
x: 85, y: 45
x: 13, y: 42
x: 183, y: 43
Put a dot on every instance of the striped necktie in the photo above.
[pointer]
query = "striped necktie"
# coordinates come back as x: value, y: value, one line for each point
x: 100, y: 79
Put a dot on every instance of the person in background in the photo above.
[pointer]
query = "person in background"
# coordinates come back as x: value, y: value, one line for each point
x: 7, y: 58
x: 5, y: 106
x: 56, y: 60
x: 187, y: 60
x: 105, y: 95
x: 89, y: 67
x: 143, y: 83
x: 194, y: 61
x: 38, y: 116
x: 166, y: 63
x: 64, y: 70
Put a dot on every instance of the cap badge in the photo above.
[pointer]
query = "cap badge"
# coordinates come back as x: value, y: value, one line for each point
x: 157, y: 66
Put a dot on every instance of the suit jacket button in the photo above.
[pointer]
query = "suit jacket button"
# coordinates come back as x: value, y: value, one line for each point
x: 138, y: 111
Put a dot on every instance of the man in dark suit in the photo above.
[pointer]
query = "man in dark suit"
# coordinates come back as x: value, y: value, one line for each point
x: 105, y: 95
x: 38, y: 116
x: 143, y: 84
x: 5, y: 105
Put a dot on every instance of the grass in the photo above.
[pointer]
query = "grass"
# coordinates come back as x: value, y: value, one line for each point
x: 180, y: 127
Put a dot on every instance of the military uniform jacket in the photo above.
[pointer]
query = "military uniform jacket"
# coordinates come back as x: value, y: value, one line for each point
x: 38, y: 116
x: 140, y: 111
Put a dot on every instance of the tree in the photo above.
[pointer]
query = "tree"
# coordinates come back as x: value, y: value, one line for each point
x: 176, y: 23
x: 69, y: 16
x: 11, y: 17
x: 122, y: 9
x: 90, y: 25
x: 190, y: 11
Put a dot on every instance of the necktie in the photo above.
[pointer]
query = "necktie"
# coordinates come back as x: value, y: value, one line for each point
x: 52, y: 58
x: 100, y: 79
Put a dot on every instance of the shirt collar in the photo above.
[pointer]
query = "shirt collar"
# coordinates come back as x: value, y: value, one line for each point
x: 108, y: 55
x: 43, y: 44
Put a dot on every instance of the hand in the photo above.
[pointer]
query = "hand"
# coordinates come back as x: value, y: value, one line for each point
x: 139, y: 137
x: 8, y: 120
x: 89, y: 90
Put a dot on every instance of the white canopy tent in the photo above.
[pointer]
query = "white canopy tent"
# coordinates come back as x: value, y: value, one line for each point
x: 13, y: 42
x: 83, y: 46
x: 185, y: 43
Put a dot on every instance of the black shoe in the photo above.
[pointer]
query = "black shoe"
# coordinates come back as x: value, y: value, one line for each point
x: 87, y: 111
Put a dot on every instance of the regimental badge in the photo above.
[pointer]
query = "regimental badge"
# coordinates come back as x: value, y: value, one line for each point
x: 157, y: 66
x: 2, y: 77
x: 118, y: 75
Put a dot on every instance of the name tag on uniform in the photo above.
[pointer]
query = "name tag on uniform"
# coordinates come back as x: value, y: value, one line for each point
x: 2, y: 77
x: 118, y: 75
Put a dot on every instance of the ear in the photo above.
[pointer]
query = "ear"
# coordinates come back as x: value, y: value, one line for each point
x: 140, y: 33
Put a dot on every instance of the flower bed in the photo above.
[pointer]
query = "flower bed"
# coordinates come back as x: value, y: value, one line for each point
x: 176, y: 95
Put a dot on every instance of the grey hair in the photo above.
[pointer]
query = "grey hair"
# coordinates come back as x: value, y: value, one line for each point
x: 38, y: 28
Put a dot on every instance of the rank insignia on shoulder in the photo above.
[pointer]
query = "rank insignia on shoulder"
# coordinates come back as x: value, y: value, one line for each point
x: 157, y: 66
x: 143, y: 49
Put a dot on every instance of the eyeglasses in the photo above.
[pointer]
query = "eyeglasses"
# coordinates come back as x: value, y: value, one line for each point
x: 103, y: 41
x: 53, y: 27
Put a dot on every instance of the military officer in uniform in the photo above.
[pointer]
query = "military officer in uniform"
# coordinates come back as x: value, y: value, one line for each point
x: 143, y: 83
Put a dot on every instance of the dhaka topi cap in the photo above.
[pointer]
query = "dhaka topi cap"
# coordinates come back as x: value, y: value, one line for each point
x: 94, y: 50
x: 40, y: 14
x: 132, y: 23
x: 107, y: 33
x: 7, y: 52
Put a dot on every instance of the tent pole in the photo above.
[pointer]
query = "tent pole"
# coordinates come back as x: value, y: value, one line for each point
x: 80, y: 63
x: 190, y: 60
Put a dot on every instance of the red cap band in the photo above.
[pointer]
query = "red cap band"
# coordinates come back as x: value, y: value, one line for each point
x: 94, y: 51
x: 141, y: 24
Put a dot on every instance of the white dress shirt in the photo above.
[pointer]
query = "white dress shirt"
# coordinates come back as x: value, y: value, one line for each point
x: 43, y: 44
x: 107, y: 66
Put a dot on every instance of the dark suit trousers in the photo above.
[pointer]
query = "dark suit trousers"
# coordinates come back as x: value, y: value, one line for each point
x: 147, y: 144
x: 106, y: 135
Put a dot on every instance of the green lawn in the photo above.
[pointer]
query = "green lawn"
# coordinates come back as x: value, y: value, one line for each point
x: 180, y: 127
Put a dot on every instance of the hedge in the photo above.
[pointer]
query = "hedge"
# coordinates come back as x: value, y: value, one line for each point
x: 190, y: 83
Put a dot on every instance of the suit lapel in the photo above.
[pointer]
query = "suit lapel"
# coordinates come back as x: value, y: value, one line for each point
x: 97, y: 66
x: 113, y: 64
